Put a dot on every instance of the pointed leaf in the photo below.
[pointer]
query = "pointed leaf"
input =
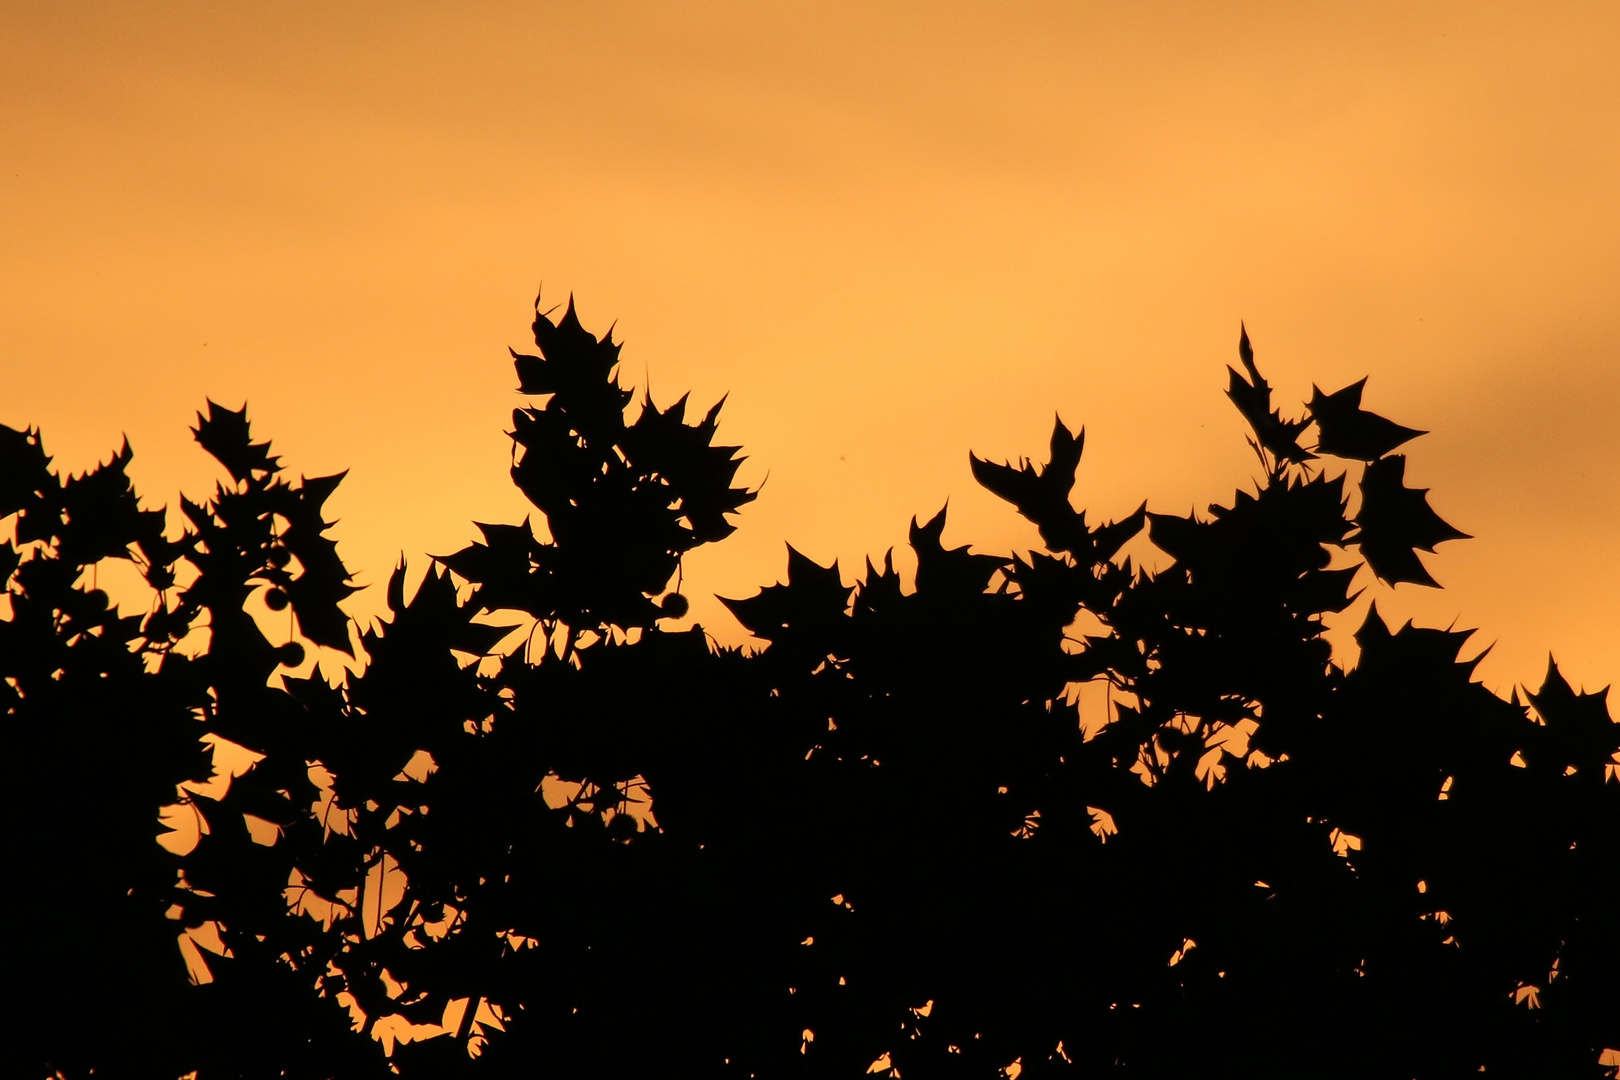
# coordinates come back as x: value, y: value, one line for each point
x: 1344, y: 429
x: 1253, y: 400
x: 224, y: 434
x: 1394, y: 519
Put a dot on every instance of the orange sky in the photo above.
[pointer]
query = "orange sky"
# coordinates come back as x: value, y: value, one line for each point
x: 892, y: 232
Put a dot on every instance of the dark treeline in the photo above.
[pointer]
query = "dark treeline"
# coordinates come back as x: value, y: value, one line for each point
x: 887, y: 842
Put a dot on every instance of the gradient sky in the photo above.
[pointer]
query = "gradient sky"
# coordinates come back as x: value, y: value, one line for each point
x: 893, y: 233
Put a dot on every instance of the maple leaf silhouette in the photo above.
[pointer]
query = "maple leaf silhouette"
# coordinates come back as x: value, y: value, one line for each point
x: 1344, y: 429
x: 25, y: 469
x: 433, y: 620
x: 224, y: 434
x: 28, y: 487
x: 810, y: 604
x: 1578, y: 729
x: 698, y: 475
x: 948, y: 571
x: 324, y: 580
x: 103, y: 515
x: 501, y: 567
x: 1253, y: 399
x: 1394, y: 519
x: 880, y: 589
x: 577, y: 367
x: 1042, y: 496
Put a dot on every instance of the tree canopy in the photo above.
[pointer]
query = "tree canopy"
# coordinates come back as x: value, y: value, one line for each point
x: 888, y: 841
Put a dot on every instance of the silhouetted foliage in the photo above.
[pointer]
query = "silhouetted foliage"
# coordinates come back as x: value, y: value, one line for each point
x: 888, y: 841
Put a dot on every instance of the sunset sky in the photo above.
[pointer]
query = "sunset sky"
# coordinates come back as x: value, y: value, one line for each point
x: 892, y: 233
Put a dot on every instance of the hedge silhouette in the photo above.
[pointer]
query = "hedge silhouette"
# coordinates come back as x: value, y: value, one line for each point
x: 889, y: 841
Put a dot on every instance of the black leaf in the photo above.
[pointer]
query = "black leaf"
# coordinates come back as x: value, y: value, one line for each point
x: 1394, y: 519
x: 1253, y: 399
x: 224, y: 434
x: 1344, y: 429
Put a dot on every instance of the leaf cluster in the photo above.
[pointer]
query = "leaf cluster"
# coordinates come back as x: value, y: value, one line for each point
x: 1047, y: 809
x: 623, y: 501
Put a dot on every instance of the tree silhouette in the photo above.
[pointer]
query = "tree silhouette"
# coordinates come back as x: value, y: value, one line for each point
x: 888, y: 841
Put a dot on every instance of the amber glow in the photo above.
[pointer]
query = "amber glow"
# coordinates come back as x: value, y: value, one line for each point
x: 892, y: 234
